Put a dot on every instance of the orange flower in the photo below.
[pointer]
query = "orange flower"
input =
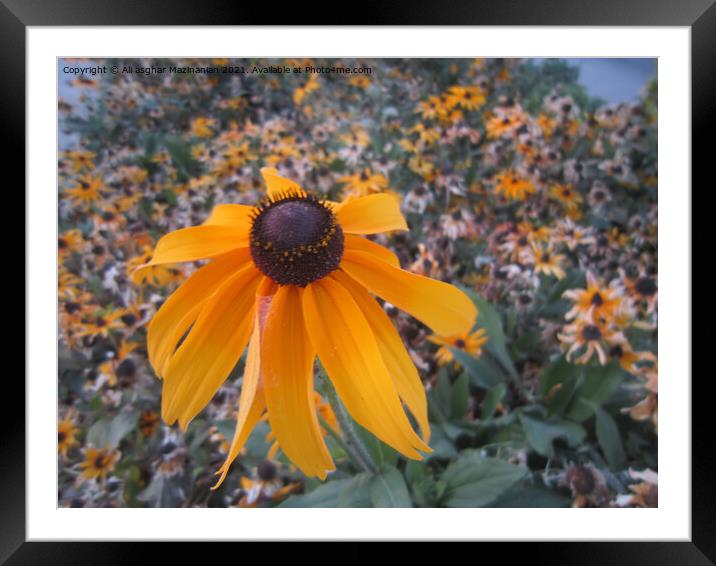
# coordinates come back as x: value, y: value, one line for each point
x: 292, y: 277
x: 513, y: 186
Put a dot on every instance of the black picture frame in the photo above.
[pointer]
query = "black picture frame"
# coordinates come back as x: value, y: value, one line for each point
x: 699, y: 15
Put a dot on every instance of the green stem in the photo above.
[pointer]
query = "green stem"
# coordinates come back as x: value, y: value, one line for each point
x: 339, y: 440
x: 353, y: 444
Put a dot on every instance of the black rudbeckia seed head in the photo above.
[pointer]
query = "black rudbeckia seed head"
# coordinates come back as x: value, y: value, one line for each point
x: 581, y: 480
x: 591, y: 332
x: 267, y: 471
x: 295, y: 239
x: 129, y: 319
x: 616, y: 351
x: 126, y: 368
x: 646, y: 286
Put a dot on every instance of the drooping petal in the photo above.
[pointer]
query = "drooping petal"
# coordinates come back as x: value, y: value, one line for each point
x: 251, y: 402
x: 397, y: 360
x: 371, y: 214
x: 443, y: 307
x: 181, y: 309
x: 287, y: 368
x: 212, y: 348
x: 348, y: 350
x: 198, y: 242
x: 353, y: 242
x: 275, y: 184
x: 236, y: 215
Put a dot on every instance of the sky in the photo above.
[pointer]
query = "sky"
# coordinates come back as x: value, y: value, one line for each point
x: 614, y: 80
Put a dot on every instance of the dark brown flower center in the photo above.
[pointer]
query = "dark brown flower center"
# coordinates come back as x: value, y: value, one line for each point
x: 591, y: 332
x: 71, y: 307
x: 597, y: 300
x: 581, y: 480
x: 295, y: 239
x: 646, y: 286
x: 267, y: 470
x: 129, y: 319
x: 616, y: 351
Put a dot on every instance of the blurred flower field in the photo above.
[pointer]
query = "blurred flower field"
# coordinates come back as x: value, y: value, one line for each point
x: 535, y: 199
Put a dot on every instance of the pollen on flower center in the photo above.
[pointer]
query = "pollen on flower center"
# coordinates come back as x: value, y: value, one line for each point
x: 295, y: 239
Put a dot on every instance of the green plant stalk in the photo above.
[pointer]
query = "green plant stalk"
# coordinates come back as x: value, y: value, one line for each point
x: 355, y: 448
x: 352, y: 456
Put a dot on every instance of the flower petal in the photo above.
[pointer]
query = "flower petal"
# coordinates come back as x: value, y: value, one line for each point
x: 198, y: 242
x: 181, y: 309
x: 441, y: 306
x: 397, y: 360
x: 287, y: 366
x: 251, y: 402
x: 212, y: 348
x: 275, y: 184
x: 362, y: 244
x: 236, y: 215
x: 348, y: 350
x: 371, y: 214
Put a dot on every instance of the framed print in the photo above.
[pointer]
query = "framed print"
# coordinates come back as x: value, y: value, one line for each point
x: 392, y: 281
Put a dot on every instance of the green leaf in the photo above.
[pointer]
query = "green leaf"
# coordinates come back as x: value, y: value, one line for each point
x: 489, y: 319
x: 492, y: 399
x: 477, y: 481
x: 528, y: 494
x: 565, y: 375
x: 459, y: 397
x: 422, y: 485
x: 558, y: 371
x: 257, y: 446
x: 573, y: 280
x: 163, y: 492
x: 541, y: 434
x: 415, y: 471
x: 180, y: 152
x: 599, y: 384
x: 527, y: 343
x: 124, y: 423
x: 441, y: 444
x: 388, y: 489
x: 98, y: 433
x: 609, y: 438
x: 441, y: 392
x: 352, y: 492
x: 227, y: 427
x: 482, y: 371
x: 381, y: 454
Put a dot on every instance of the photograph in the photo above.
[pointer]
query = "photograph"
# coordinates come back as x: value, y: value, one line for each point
x: 357, y: 282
